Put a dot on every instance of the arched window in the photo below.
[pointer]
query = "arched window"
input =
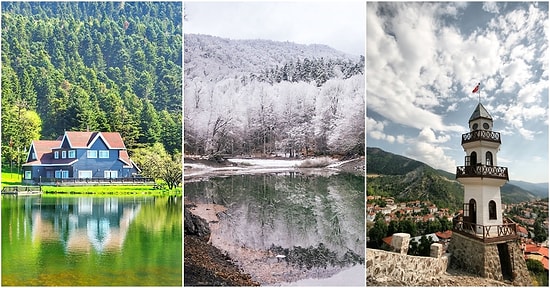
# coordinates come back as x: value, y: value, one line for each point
x: 473, y: 158
x: 492, y: 210
x: 489, y: 158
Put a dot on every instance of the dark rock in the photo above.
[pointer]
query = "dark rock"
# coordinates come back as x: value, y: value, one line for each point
x: 194, y: 225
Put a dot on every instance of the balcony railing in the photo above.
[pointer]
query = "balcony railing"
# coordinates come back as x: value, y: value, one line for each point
x: 482, y: 171
x: 487, y: 234
x: 478, y: 135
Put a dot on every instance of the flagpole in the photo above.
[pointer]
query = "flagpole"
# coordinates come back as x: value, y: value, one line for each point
x: 479, y: 95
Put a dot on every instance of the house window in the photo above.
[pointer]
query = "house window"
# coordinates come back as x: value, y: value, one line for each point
x: 28, y: 175
x: 492, y: 210
x: 72, y: 154
x: 85, y: 174
x: 61, y: 173
x: 103, y: 153
x: 56, y: 155
x: 91, y: 153
x: 33, y: 156
x: 63, y: 154
x: 110, y: 174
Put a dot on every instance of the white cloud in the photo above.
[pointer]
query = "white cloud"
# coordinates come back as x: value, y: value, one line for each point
x: 491, y: 7
x: 433, y: 155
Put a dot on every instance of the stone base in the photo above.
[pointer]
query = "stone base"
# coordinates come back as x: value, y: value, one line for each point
x: 480, y: 258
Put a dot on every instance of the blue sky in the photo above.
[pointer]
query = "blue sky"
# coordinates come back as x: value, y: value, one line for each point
x: 424, y: 60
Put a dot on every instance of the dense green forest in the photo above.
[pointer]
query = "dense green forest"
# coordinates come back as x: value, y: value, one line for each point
x: 102, y: 66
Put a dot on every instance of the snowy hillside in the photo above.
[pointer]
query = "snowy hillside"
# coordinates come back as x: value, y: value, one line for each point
x: 216, y: 58
x: 259, y: 97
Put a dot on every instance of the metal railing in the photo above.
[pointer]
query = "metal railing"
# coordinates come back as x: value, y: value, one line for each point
x: 478, y: 135
x: 482, y: 171
x: 95, y: 180
x: 487, y: 234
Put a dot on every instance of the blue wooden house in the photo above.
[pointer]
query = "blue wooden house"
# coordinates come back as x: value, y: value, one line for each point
x: 79, y: 155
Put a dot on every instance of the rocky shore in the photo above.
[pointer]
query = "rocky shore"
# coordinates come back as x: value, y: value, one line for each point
x: 204, y: 264
x: 207, y: 265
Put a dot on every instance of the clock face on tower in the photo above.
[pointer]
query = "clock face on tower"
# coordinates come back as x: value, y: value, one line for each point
x: 486, y: 126
x: 475, y: 126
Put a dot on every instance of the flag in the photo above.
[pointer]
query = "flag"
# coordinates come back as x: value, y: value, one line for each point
x: 475, y: 89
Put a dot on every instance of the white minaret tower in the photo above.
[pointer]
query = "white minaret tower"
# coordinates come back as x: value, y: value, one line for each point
x: 483, y: 242
x: 480, y: 175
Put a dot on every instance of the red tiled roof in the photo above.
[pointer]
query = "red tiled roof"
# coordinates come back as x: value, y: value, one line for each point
x: 522, y: 229
x: 43, y: 149
x: 79, y: 139
x: 84, y: 139
x: 444, y: 235
x: 387, y: 240
x: 113, y: 139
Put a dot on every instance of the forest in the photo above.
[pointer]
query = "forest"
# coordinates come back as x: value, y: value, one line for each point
x: 97, y: 66
x: 287, y: 101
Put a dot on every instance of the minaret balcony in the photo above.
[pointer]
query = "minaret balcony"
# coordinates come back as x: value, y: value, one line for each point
x: 479, y: 135
x: 496, y: 172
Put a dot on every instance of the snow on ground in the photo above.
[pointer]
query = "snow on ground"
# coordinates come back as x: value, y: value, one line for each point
x: 267, y: 163
x: 194, y: 171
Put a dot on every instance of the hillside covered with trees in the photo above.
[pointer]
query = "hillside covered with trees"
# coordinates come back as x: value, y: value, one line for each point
x: 261, y: 97
x: 98, y: 66
x: 405, y: 179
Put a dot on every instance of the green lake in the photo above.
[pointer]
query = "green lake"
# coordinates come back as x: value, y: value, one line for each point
x: 316, y: 220
x: 91, y: 241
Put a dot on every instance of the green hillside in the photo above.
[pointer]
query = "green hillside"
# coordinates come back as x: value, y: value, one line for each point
x: 406, y: 179
x: 102, y: 66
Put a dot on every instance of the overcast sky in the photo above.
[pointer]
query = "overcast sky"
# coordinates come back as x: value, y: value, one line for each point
x: 424, y: 60
x: 340, y: 25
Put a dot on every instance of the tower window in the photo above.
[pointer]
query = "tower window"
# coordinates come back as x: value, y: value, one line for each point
x: 489, y: 158
x: 486, y: 126
x: 474, y: 127
x: 492, y: 210
x: 473, y: 158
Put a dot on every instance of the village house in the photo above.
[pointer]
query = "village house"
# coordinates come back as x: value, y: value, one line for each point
x: 78, y: 155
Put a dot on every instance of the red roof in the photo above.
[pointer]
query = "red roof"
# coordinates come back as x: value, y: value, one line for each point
x: 533, y: 249
x: 43, y: 148
x: 522, y: 229
x: 84, y: 139
x: 387, y: 240
x: 444, y: 235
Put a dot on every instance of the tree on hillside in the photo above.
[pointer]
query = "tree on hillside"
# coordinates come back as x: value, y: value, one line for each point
x: 156, y: 163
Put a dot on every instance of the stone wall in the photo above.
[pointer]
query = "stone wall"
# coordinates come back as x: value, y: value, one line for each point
x: 483, y: 259
x: 400, y: 267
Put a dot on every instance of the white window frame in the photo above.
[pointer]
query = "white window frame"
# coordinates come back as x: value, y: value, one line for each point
x: 72, y: 154
x: 56, y: 155
x: 28, y: 175
x: 91, y: 154
x: 63, y: 154
x: 33, y: 156
x: 110, y: 174
x: 103, y: 154
x: 61, y: 174
x: 88, y: 174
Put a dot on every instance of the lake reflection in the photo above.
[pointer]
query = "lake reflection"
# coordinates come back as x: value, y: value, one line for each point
x: 317, y: 222
x: 91, y: 241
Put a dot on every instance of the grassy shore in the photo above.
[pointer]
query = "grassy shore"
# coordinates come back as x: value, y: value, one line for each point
x: 10, y: 179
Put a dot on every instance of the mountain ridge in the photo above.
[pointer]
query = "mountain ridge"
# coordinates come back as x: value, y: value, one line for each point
x: 203, y: 55
x: 409, y: 179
